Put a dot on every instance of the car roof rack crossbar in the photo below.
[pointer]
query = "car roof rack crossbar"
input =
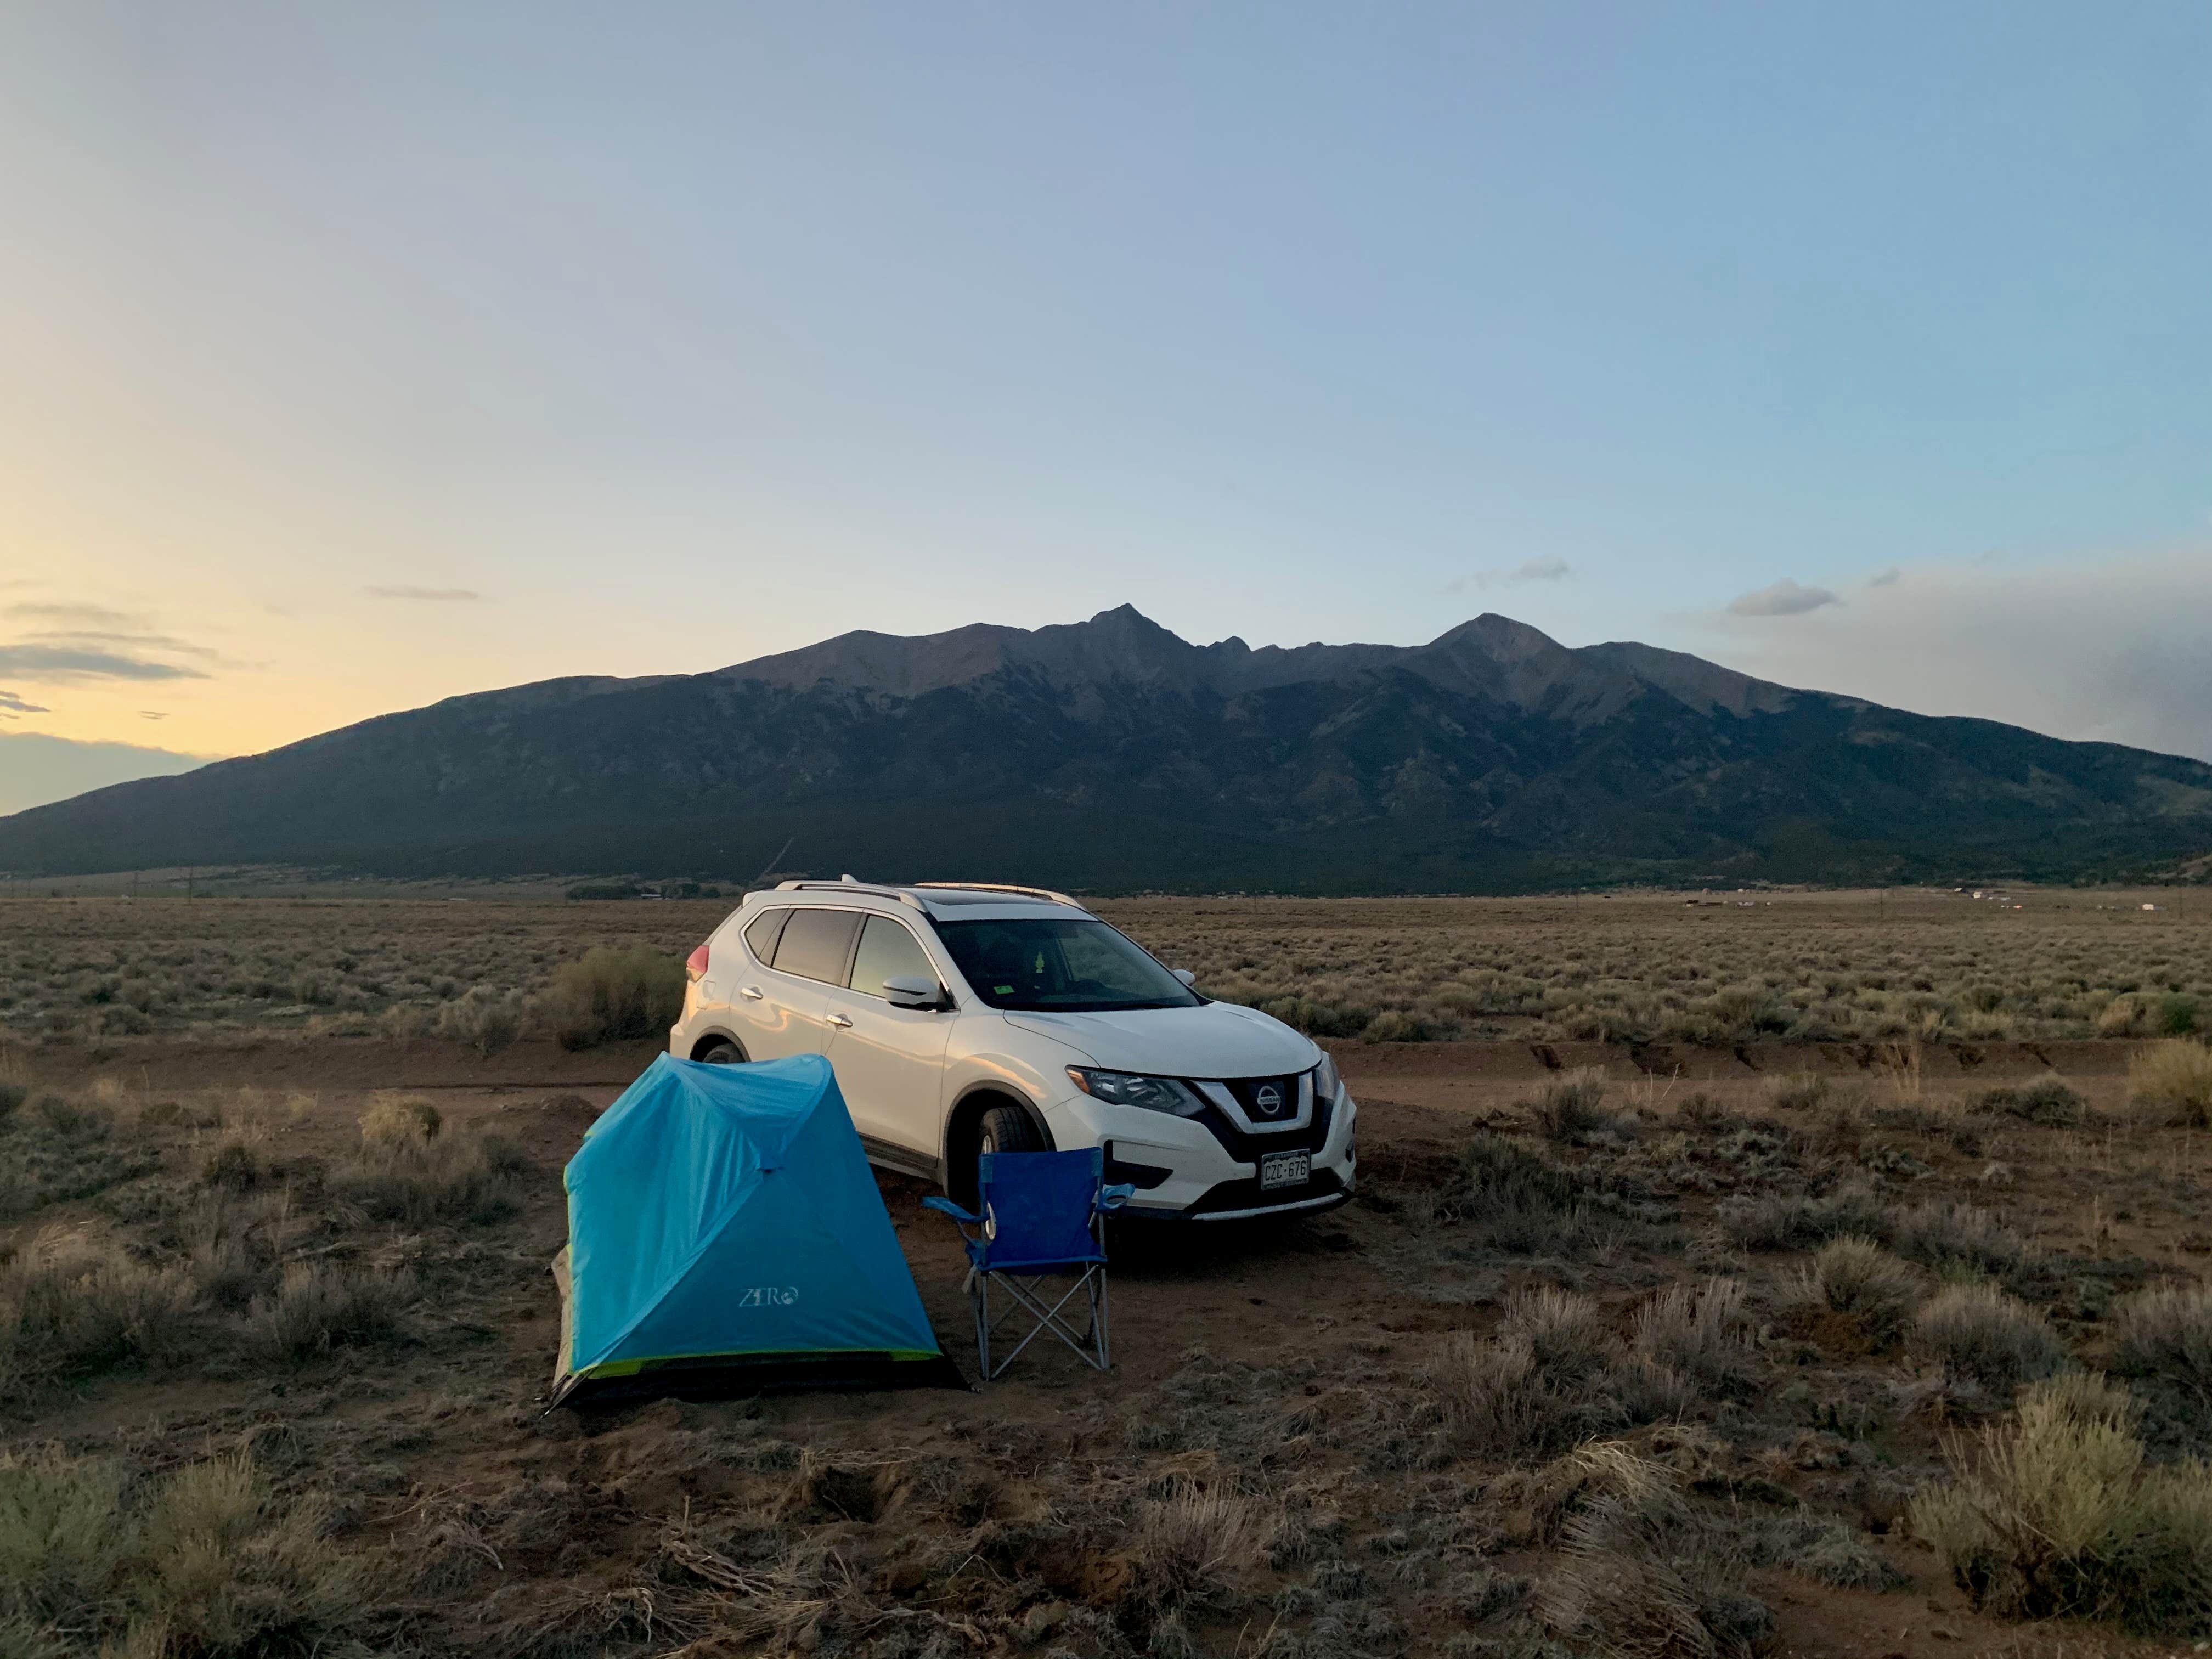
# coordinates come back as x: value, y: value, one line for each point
x: 1005, y: 887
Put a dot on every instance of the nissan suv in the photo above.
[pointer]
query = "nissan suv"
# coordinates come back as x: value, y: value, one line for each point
x: 963, y: 1019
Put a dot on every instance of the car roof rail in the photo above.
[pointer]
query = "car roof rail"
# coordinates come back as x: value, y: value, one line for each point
x: 1004, y: 887
x: 846, y: 885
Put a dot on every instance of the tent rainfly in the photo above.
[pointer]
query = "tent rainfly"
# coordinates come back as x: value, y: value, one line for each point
x: 726, y: 1234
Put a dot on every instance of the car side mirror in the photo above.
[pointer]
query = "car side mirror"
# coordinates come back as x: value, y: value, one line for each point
x: 1184, y: 974
x: 912, y: 990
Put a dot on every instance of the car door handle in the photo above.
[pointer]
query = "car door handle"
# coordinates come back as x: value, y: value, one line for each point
x: 839, y: 1019
x: 752, y: 991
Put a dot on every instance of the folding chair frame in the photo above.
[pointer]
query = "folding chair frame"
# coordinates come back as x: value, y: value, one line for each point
x: 1091, y: 1346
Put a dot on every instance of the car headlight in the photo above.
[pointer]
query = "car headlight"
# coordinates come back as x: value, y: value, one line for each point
x: 1326, y: 1082
x: 1154, y: 1094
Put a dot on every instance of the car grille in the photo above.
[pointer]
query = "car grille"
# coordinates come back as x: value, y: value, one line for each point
x: 1246, y: 1146
x: 1266, y: 1099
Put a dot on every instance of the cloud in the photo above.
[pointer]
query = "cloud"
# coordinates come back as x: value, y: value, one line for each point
x: 1888, y: 578
x: 152, y: 713
x: 75, y: 662
x: 2108, y: 647
x: 1784, y: 599
x: 91, y: 616
x: 1549, y: 569
x: 12, y: 705
x: 434, y: 595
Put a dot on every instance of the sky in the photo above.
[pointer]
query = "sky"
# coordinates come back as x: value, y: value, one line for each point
x: 360, y: 357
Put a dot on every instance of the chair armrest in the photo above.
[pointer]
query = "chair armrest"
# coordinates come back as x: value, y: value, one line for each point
x: 945, y: 1205
x: 1114, y: 1197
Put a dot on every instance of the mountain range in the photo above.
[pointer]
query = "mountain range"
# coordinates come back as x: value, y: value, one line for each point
x: 1111, y: 754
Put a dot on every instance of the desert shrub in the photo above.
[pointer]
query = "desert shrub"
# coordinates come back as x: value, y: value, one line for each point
x: 1785, y: 1221
x: 12, y: 1096
x: 485, y: 1018
x: 1946, y: 1234
x: 1569, y: 1109
x: 1514, y: 1200
x: 320, y: 1306
x: 1797, y: 1092
x: 202, y: 1565
x: 1821, y: 1547
x: 1398, y: 1025
x: 1316, y: 1018
x: 396, y: 1120
x: 1645, y: 1573
x: 1700, y: 1333
x: 1858, y: 1276
x: 2176, y: 1074
x: 2054, y: 1514
x: 2166, y: 1333
x: 471, y: 1178
x: 234, y: 1164
x: 2176, y: 1015
x: 609, y: 995
x: 1192, y: 1544
x: 2046, y: 1101
x: 1979, y: 1331
x: 58, y: 1150
x: 75, y: 1305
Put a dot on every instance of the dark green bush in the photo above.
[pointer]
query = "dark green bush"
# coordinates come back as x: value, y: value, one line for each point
x: 611, y: 994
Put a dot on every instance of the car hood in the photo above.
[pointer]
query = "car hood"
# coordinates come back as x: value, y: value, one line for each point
x: 1213, y: 1040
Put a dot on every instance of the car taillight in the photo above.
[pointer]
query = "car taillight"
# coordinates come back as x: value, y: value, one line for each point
x: 696, y: 963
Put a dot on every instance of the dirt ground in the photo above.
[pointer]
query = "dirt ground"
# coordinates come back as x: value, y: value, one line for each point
x: 1291, y: 1363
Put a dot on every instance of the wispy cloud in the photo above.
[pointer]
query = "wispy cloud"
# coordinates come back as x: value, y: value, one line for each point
x: 1889, y: 578
x: 432, y: 595
x: 1551, y: 569
x: 1786, y: 598
x: 152, y: 713
x: 11, y: 705
x: 86, y: 616
x: 75, y: 662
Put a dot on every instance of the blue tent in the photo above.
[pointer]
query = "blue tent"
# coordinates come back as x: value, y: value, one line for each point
x: 725, y: 1232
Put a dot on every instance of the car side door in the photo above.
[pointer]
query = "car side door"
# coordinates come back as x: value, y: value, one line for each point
x: 890, y: 1061
x: 783, y: 1007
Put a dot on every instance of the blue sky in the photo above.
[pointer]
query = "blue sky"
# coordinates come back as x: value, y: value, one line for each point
x: 364, y: 355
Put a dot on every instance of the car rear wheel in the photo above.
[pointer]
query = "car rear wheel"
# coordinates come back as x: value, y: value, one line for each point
x: 723, y: 1053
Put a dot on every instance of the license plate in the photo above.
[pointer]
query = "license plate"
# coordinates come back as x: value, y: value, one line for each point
x: 1285, y: 1169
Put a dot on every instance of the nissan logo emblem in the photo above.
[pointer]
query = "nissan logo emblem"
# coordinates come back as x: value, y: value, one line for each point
x: 1267, y: 1100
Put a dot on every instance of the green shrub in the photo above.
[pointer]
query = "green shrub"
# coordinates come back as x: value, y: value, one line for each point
x: 1979, y: 1332
x: 2176, y: 1015
x: 611, y: 995
x: 2054, y: 1515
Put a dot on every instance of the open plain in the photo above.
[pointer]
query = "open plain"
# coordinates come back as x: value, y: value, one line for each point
x: 1796, y: 1273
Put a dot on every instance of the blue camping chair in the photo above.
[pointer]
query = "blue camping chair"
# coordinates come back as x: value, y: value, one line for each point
x: 1041, y: 1213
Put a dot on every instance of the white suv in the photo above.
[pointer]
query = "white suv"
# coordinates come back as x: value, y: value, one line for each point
x: 962, y: 1020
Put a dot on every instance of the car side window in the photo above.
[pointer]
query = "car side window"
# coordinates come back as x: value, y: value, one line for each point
x: 761, y: 931
x: 887, y: 951
x: 814, y: 944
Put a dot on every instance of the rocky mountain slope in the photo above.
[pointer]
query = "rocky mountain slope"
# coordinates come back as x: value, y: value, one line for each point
x: 1111, y: 754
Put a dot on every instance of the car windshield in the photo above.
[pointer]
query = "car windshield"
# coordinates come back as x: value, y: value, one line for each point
x: 1041, y: 963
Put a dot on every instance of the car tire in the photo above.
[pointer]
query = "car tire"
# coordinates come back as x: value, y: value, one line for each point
x: 1001, y: 1129
x: 723, y: 1053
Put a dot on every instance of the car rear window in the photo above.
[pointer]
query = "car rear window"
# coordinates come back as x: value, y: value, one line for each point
x: 816, y: 943
x: 761, y: 931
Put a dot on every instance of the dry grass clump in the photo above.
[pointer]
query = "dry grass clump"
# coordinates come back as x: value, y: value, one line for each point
x: 1644, y: 1573
x: 1191, y: 1546
x: 1981, y: 1333
x: 1823, y: 1548
x: 203, y: 1563
x: 1569, y: 1111
x: 457, y: 1178
x: 2166, y: 1333
x: 2176, y: 1075
x: 1945, y: 1234
x: 321, y: 1306
x: 397, y: 1119
x: 54, y: 1149
x: 1795, y: 1221
x: 74, y: 1304
x: 1556, y: 1373
x: 485, y: 1016
x: 1859, y: 1278
x: 2046, y: 1101
x: 1798, y: 1091
x: 2055, y: 1515
x: 612, y: 994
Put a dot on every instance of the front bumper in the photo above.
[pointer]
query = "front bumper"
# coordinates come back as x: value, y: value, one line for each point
x: 1206, y: 1168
